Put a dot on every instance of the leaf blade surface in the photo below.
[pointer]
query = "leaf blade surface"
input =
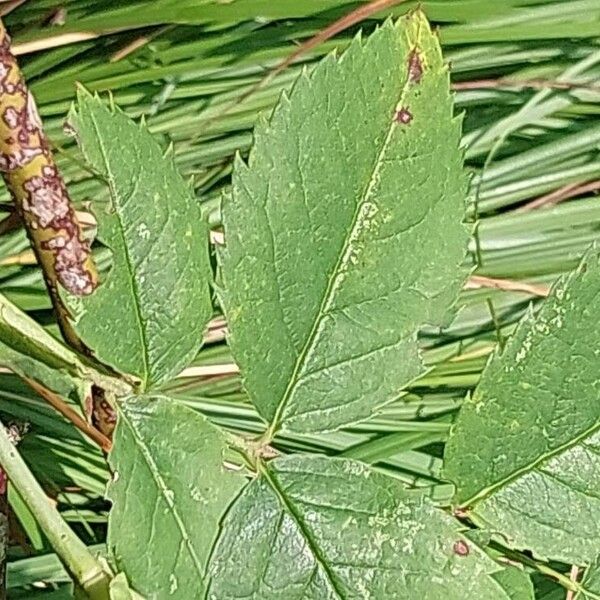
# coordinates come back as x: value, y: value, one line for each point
x: 525, y: 450
x: 168, y: 495
x: 343, y: 234
x: 315, y: 527
x: 147, y: 317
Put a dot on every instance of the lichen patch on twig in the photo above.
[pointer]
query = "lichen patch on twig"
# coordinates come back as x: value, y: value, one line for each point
x: 36, y: 186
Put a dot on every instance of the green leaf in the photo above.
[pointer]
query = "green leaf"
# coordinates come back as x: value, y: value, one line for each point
x: 147, y: 318
x: 27, y: 521
x: 120, y: 590
x: 525, y: 451
x: 169, y: 492
x: 315, y: 527
x: 28, y: 350
x: 590, y: 584
x: 516, y: 583
x: 547, y: 589
x: 343, y: 232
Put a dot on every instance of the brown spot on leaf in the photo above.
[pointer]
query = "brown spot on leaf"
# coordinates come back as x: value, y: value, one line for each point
x: 461, y: 548
x: 68, y: 129
x: 403, y: 116
x: 59, y: 17
x: 415, y: 66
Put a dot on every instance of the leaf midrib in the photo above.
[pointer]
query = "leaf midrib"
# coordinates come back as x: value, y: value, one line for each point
x: 486, y: 492
x: 315, y: 551
x: 329, y: 290
x: 163, y: 489
x: 130, y: 271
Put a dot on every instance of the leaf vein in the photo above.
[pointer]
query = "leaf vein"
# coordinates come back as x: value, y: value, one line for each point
x: 130, y: 271
x: 163, y: 489
x: 334, y: 280
x: 316, y: 552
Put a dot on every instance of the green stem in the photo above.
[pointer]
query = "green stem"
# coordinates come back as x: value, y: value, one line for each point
x: 543, y: 568
x: 496, y: 323
x: 81, y: 564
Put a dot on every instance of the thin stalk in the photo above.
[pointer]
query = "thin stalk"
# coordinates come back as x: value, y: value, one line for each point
x: 66, y: 411
x: 543, y: 568
x: 496, y: 322
x: 81, y: 564
x: 352, y: 18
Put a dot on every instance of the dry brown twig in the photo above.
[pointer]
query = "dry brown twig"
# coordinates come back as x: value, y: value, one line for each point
x: 137, y: 43
x: 345, y: 22
x: 573, y: 577
x: 537, y: 84
x: 66, y: 411
x: 571, y: 190
x: 10, y: 5
x: 509, y: 285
